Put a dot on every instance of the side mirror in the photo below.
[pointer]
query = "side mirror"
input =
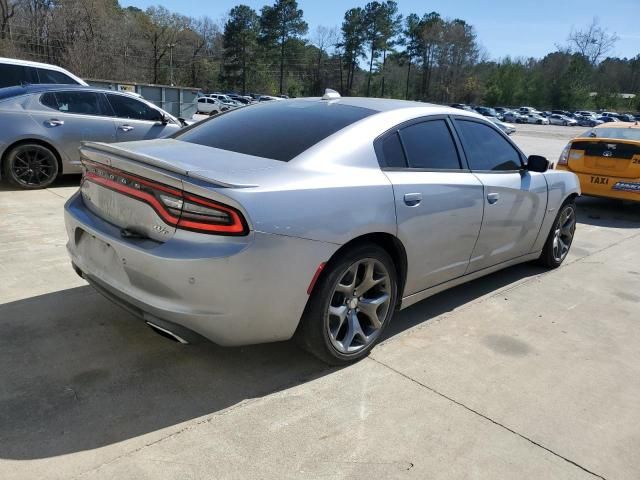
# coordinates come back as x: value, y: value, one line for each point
x: 537, y: 163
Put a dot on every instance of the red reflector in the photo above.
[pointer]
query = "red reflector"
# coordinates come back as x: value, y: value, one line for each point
x: 315, y: 278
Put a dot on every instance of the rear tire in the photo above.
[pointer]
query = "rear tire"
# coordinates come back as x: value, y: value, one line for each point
x: 560, y: 238
x: 341, y: 325
x: 31, y: 166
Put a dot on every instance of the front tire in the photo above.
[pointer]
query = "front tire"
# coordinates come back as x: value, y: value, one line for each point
x: 350, y: 306
x: 31, y: 166
x: 560, y: 238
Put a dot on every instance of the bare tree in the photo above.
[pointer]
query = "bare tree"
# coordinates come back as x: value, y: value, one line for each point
x: 7, y: 12
x: 593, y: 43
x: 323, y: 39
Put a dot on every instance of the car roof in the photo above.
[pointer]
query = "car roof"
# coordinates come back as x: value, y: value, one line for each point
x: 618, y: 125
x: 28, y: 88
x: 388, y: 104
x: 29, y: 63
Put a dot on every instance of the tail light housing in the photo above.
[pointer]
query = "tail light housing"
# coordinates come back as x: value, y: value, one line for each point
x: 564, y: 156
x: 175, y: 207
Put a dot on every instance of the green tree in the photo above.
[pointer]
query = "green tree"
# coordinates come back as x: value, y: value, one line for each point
x: 280, y: 24
x: 353, y: 41
x: 239, y: 42
x: 382, y: 23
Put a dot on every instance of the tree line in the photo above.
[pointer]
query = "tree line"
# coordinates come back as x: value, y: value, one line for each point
x: 374, y: 52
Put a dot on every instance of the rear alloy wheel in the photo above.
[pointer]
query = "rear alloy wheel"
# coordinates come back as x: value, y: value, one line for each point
x: 31, y: 166
x: 560, y: 237
x: 351, y: 306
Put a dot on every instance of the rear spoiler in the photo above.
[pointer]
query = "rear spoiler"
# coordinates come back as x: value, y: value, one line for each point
x: 112, y: 155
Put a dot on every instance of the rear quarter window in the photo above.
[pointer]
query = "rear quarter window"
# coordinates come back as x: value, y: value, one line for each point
x: 277, y: 130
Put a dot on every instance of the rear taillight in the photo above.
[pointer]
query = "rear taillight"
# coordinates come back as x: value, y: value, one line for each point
x: 175, y: 207
x: 564, y: 156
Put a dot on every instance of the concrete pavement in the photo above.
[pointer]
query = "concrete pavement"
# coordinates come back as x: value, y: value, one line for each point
x: 522, y: 374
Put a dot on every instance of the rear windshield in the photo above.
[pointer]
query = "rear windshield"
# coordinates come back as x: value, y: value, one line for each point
x: 279, y: 130
x: 623, y: 133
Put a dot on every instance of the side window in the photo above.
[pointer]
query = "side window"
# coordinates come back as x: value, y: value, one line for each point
x: 53, y: 76
x: 49, y: 100
x: 392, y: 153
x: 127, y: 107
x: 11, y: 75
x: 486, y: 149
x: 85, y: 103
x: 430, y: 145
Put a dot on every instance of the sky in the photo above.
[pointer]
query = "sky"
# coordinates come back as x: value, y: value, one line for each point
x: 516, y: 28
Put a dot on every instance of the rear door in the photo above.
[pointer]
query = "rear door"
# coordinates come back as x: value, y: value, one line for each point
x: 135, y: 120
x: 71, y: 117
x: 514, y: 199
x: 438, y: 201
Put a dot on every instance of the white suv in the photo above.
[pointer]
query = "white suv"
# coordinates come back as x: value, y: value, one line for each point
x: 17, y: 72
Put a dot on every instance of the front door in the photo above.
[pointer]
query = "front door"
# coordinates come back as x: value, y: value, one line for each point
x: 515, y: 199
x: 135, y: 120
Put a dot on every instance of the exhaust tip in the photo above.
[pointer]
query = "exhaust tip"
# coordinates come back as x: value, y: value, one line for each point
x: 167, y: 333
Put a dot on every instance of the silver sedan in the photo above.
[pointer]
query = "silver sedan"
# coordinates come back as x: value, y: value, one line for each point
x: 313, y: 218
x: 43, y: 126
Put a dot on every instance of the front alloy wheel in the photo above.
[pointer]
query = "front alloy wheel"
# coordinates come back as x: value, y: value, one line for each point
x: 560, y: 237
x: 563, y: 233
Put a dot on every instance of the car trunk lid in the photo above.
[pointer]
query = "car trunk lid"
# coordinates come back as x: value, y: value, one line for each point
x: 617, y: 158
x: 144, y: 187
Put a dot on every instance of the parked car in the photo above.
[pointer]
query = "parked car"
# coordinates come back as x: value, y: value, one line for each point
x: 537, y: 119
x: 15, y: 72
x: 607, y: 119
x: 589, y: 121
x: 238, y: 98
x: 209, y: 106
x: 556, y: 119
x: 43, y: 126
x: 486, y: 111
x: 462, y: 106
x: 526, y: 110
x: 268, y: 98
x: 221, y: 218
x: 605, y: 160
x: 514, y: 117
x: 505, y: 127
x: 224, y: 100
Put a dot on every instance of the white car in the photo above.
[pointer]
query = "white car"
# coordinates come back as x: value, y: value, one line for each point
x: 537, y: 119
x: 208, y: 106
x: 505, y: 127
x: 556, y: 119
x: 19, y: 72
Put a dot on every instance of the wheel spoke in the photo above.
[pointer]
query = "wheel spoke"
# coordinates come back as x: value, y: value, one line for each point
x: 354, y: 329
x: 349, y: 287
x: 368, y: 281
x: 340, y: 313
x: 370, y: 306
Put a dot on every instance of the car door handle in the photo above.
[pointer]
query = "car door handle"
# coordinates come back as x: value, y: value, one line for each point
x: 125, y: 128
x: 412, y: 199
x: 493, y: 197
x: 54, y: 122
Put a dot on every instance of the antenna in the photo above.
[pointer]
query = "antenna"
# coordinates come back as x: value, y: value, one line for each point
x: 330, y: 94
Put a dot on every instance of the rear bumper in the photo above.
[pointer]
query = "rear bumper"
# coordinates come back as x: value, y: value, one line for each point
x: 608, y: 186
x: 231, y: 290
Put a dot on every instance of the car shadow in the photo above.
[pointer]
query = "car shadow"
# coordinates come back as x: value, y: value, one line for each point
x: 606, y: 212
x: 80, y: 373
x: 60, y: 182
